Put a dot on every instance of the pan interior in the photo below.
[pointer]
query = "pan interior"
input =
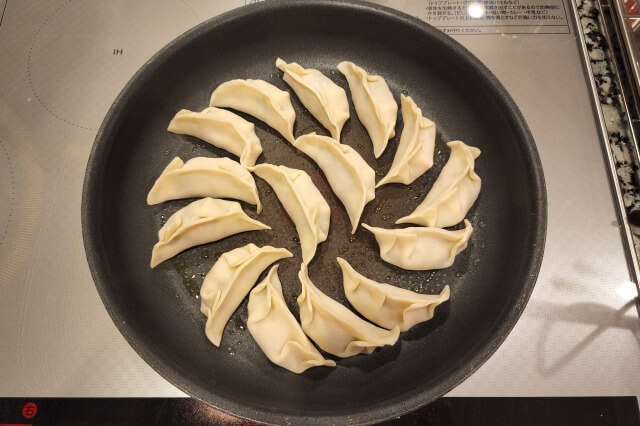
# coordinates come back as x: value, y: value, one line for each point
x: 158, y: 309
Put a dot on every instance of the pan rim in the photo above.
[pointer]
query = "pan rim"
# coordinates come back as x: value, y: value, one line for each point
x: 412, y: 399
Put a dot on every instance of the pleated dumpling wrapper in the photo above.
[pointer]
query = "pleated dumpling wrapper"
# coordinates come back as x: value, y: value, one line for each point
x: 350, y: 177
x: 205, y: 177
x: 277, y: 331
x: 387, y: 305
x: 324, y: 99
x: 230, y: 280
x: 203, y: 221
x: 374, y: 103
x: 222, y: 129
x: 421, y: 249
x: 333, y: 327
x: 259, y: 99
x: 453, y: 193
x: 415, y: 149
x: 302, y: 201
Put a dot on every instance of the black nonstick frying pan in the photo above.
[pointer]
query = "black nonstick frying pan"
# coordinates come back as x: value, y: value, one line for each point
x: 158, y: 310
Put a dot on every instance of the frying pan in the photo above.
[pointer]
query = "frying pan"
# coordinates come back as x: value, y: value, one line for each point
x: 157, y: 310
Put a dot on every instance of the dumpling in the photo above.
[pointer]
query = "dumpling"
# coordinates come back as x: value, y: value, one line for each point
x: 350, y: 177
x: 420, y: 249
x: 387, y: 305
x: 324, y: 99
x: 229, y: 281
x: 277, y: 331
x: 415, y: 150
x: 303, y: 202
x: 374, y: 103
x: 259, y: 99
x: 222, y: 129
x: 333, y: 327
x: 204, y: 177
x: 453, y: 193
x: 203, y: 221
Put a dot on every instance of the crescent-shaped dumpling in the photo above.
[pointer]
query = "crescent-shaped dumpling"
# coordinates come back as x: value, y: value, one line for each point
x: 203, y: 221
x: 324, y: 99
x: 387, y: 305
x: 333, y: 327
x: 222, y: 129
x: 415, y: 149
x: 453, y: 193
x: 420, y: 249
x: 204, y: 177
x: 350, y: 177
x: 277, y: 331
x: 374, y: 103
x: 229, y: 281
x: 259, y: 99
x: 303, y: 202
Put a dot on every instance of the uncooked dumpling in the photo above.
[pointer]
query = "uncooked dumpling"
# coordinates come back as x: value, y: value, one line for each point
x: 415, y: 150
x: 259, y: 99
x: 303, y: 202
x: 229, y: 281
x: 374, y: 103
x: 277, y: 331
x: 453, y: 193
x: 220, y: 128
x: 387, y: 305
x: 420, y: 249
x: 204, y: 177
x: 333, y: 327
x: 350, y: 177
x: 203, y: 221
x: 324, y: 99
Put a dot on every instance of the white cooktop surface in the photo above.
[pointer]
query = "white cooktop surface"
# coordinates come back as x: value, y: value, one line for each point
x: 62, y: 63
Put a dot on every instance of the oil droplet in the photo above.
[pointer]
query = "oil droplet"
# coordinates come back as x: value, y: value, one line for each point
x: 231, y: 350
x: 332, y: 288
x: 206, y: 253
x: 404, y: 92
x: 333, y: 72
x: 476, y: 262
x: 162, y: 216
x: 379, y: 173
x: 167, y: 152
x: 415, y: 197
x: 295, y: 239
x: 343, y: 250
x: 439, y: 152
x: 361, y: 147
x: 386, y: 217
x: 240, y: 325
x: 352, y: 238
x: 370, y: 257
x: 268, y: 192
x: 203, y: 274
x: 458, y: 274
x: 482, y: 224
